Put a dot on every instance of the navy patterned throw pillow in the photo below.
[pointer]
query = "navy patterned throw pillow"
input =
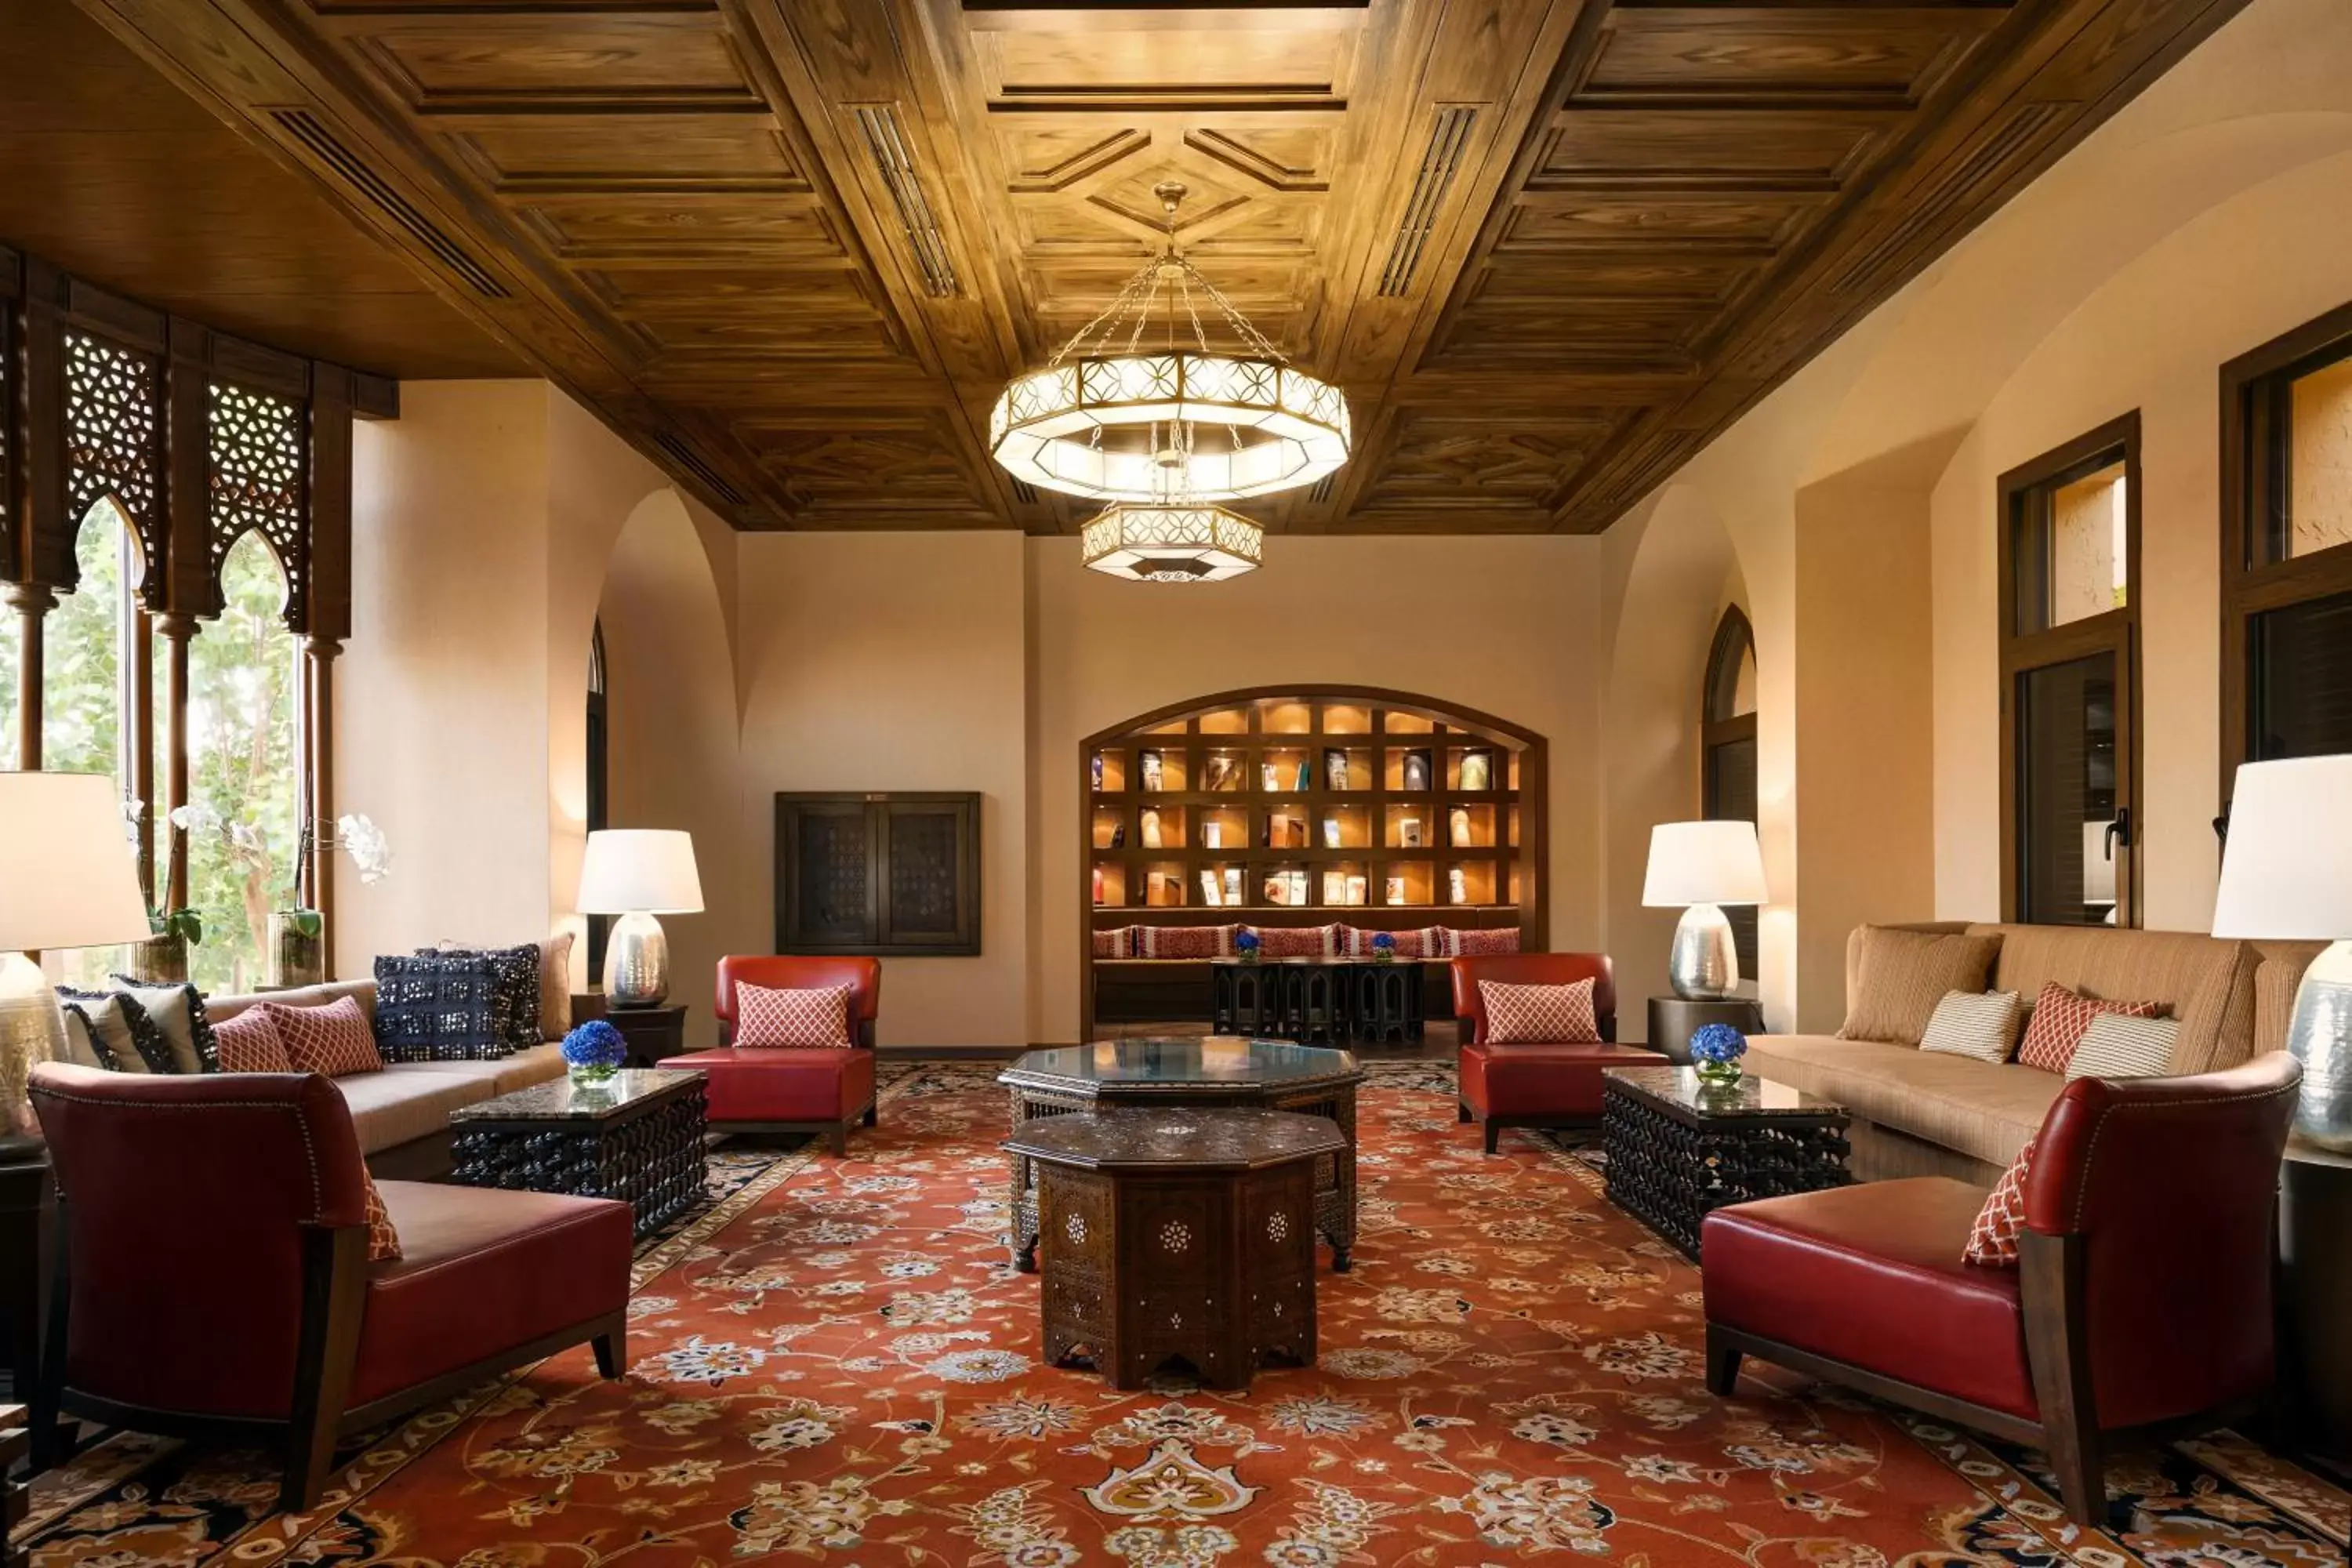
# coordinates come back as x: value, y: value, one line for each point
x: 516, y: 1015
x: 438, y: 1007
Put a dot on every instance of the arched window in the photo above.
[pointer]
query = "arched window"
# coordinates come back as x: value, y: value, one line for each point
x: 242, y: 781
x: 600, y: 793
x: 1727, y: 749
x: 93, y: 677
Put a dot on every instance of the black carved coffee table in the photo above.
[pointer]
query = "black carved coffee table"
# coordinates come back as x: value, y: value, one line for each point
x: 1680, y: 1148
x: 637, y: 1138
x: 1180, y: 1235
x: 1192, y: 1071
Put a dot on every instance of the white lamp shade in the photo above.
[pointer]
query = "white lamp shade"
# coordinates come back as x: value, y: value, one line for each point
x: 1704, y: 863
x: 640, y: 871
x: 67, y: 877
x: 2287, y: 871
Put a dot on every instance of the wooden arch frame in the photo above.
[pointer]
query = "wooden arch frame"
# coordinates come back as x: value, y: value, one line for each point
x: 1529, y: 747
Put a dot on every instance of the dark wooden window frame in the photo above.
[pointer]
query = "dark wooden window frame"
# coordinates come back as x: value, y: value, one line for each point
x: 2115, y: 631
x: 881, y: 938
x: 1719, y: 726
x: 40, y: 305
x: 2252, y: 388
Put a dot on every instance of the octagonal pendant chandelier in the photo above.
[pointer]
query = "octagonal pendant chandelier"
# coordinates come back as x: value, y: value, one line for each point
x: 1147, y: 543
x: 1139, y: 407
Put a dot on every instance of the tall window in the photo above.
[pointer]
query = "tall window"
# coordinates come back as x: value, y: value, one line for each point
x: 90, y: 680
x: 2070, y: 680
x: 1727, y: 749
x: 9, y: 633
x: 600, y: 786
x: 2287, y: 546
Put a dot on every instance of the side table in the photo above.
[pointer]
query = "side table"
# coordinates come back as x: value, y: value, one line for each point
x: 2316, y: 1301
x: 1675, y: 1019
x: 655, y: 1034
x: 27, y: 1210
x: 1679, y: 1147
x: 1184, y: 1233
x: 637, y: 1139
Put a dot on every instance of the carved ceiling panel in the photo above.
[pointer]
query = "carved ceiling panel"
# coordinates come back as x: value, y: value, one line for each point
x: 794, y: 247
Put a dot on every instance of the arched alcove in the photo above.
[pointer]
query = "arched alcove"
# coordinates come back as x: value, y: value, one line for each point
x: 1303, y: 806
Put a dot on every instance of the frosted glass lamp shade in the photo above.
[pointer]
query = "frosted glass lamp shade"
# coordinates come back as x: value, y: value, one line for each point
x: 67, y: 879
x: 2287, y: 871
x: 640, y: 870
x: 1704, y: 863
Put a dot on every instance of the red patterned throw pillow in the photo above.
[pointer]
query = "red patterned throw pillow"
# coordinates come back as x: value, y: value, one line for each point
x: 1297, y: 942
x: 383, y: 1241
x: 769, y: 1019
x: 1486, y: 943
x: 1540, y: 1014
x: 249, y: 1043
x: 334, y: 1039
x: 1992, y: 1240
x: 1186, y: 941
x: 2061, y: 1018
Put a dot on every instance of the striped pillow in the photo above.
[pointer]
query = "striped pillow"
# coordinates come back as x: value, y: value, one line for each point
x: 770, y: 1018
x: 1979, y: 1025
x: 1297, y: 942
x: 1469, y: 943
x: 1186, y: 941
x: 2118, y: 1046
x: 1540, y: 1014
x: 2060, y: 1020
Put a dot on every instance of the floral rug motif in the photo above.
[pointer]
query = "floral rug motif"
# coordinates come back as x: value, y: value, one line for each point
x: 836, y: 1362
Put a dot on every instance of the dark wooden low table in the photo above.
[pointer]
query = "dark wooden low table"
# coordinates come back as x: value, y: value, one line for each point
x: 637, y: 1138
x: 1675, y: 1019
x: 1191, y: 1071
x: 1181, y: 1235
x: 1679, y: 1148
x: 1317, y: 1001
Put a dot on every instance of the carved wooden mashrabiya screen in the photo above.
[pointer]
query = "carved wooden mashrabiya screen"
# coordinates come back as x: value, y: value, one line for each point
x: 877, y: 872
x: 112, y: 398
x: 258, y: 457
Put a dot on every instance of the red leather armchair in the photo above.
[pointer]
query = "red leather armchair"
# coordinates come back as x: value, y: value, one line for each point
x: 212, y: 1276
x: 2142, y: 1295
x: 761, y: 1090
x: 1554, y: 1084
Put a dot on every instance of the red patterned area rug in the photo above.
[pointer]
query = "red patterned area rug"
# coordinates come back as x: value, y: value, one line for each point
x: 837, y: 1363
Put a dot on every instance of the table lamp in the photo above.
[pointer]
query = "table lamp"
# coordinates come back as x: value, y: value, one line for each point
x: 66, y: 879
x: 637, y: 873
x: 2287, y: 872
x: 1700, y: 867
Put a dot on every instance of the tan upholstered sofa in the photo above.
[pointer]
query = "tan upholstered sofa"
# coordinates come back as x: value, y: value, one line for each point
x: 402, y: 1114
x: 1929, y: 1113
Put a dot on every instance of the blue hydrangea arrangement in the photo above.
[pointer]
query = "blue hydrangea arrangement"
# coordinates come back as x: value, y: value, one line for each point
x: 594, y: 1051
x: 1245, y: 944
x: 1383, y: 948
x: 1716, y: 1050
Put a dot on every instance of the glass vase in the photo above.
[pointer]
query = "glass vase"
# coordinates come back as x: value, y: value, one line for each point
x: 158, y: 960
x: 593, y: 1075
x: 1717, y: 1074
x: 298, y: 950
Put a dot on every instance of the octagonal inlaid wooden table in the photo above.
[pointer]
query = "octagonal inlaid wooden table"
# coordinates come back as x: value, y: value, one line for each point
x: 1192, y: 1071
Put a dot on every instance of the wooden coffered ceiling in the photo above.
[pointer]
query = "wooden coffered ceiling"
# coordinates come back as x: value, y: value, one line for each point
x: 794, y: 247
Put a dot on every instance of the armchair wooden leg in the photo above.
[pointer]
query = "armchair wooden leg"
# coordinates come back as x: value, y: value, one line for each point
x: 1494, y: 1134
x: 1461, y: 1110
x: 1722, y: 1364
x: 2057, y: 1349
x: 52, y: 1442
x: 334, y: 1287
x: 839, y: 1140
x: 873, y: 1114
x: 612, y: 1348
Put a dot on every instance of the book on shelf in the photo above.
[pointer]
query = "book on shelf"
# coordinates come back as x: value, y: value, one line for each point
x: 1208, y: 891
x: 1416, y: 774
x: 1477, y: 770
x: 1219, y: 773
x: 1233, y: 885
x: 1152, y: 767
x: 1334, y: 770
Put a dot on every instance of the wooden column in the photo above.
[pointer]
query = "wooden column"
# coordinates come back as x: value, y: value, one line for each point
x: 31, y: 601
x: 141, y: 718
x: 318, y: 875
x: 177, y: 628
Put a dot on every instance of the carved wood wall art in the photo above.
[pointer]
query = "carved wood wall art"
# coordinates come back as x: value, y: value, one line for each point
x: 887, y: 873
x: 794, y: 247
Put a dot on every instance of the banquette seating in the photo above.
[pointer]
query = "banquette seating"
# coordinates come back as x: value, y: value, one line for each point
x: 1536, y: 1083
x: 212, y: 1271
x: 2141, y: 1297
x: 754, y: 1090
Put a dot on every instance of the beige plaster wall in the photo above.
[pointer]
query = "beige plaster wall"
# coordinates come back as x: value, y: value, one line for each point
x: 1510, y: 626
x: 896, y: 661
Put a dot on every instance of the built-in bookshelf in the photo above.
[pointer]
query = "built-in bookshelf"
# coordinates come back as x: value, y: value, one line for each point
x: 1300, y: 808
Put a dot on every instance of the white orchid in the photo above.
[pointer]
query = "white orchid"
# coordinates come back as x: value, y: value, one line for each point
x: 364, y: 842
x: 196, y: 816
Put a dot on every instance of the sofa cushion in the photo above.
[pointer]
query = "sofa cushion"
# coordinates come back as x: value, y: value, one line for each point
x: 1471, y: 942
x: 2118, y: 1046
x: 483, y: 1271
x: 1986, y: 1111
x: 249, y: 1043
x: 2206, y: 983
x: 744, y: 1084
x: 1531, y: 1015
x: 401, y: 1103
x: 540, y: 1064
x: 2062, y: 1018
x: 1297, y: 941
x: 1186, y: 942
x: 444, y: 1006
x: 228, y: 1005
x: 1980, y: 1024
x: 1993, y: 1239
x: 1871, y: 1276
x: 1903, y: 974
x: 792, y: 1018
x: 1562, y: 1080
x: 178, y: 1014
x: 334, y: 1039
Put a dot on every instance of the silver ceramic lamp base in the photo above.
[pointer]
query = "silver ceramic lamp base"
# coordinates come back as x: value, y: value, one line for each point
x: 637, y: 964
x: 1704, y: 964
x: 2321, y: 1038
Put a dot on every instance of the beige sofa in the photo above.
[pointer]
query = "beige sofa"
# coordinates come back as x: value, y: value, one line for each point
x: 402, y: 1114
x: 1929, y: 1113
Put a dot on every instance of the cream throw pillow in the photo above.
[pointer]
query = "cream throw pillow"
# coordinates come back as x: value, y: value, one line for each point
x: 1983, y: 1025
x: 1903, y: 974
